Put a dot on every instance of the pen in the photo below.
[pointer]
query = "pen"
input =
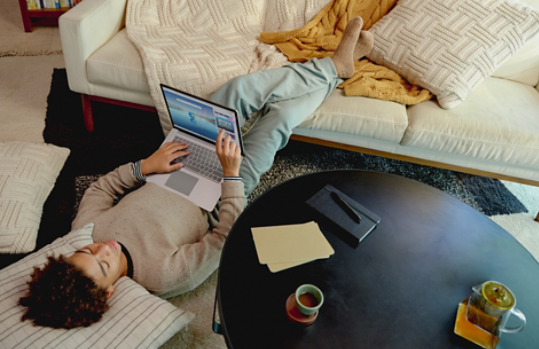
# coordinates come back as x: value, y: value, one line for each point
x: 349, y: 209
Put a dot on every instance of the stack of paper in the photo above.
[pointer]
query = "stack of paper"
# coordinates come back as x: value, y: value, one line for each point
x: 286, y: 246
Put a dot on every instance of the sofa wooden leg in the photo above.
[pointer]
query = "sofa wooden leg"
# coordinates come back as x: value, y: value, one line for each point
x: 87, y: 110
x: 537, y: 218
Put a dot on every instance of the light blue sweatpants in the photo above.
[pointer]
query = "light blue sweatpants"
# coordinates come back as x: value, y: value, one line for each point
x: 287, y: 96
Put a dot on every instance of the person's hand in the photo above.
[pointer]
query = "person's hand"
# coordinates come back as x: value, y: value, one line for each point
x: 229, y: 155
x: 159, y: 162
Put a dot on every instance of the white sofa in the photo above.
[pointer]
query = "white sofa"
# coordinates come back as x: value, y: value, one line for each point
x: 494, y: 133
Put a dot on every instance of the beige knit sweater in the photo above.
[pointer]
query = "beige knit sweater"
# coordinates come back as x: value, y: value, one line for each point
x: 173, y: 243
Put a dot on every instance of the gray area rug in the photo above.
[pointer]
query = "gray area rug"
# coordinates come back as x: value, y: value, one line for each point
x: 487, y: 195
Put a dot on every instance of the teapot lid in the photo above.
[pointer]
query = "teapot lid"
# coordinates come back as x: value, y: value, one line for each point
x: 498, y: 295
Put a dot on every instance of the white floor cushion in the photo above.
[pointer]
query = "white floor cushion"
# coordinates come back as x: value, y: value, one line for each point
x: 28, y: 172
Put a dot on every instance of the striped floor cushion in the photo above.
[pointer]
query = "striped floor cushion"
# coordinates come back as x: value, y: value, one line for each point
x: 135, y: 319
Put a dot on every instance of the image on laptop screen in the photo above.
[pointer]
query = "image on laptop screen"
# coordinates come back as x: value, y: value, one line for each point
x: 198, y: 117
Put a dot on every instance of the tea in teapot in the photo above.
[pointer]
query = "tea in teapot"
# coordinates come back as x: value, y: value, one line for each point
x: 483, y: 316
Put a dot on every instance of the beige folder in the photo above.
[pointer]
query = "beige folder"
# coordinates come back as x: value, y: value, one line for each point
x: 275, y: 267
x: 284, y: 246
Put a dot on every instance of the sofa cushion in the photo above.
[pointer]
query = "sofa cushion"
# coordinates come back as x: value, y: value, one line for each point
x: 118, y: 64
x: 361, y: 116
x: 450, y: 47
x: 499, y: 121
x: 524, y: 65
x: 283, y: 16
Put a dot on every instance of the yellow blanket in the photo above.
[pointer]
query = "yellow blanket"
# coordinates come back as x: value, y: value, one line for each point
x: 320, y: 37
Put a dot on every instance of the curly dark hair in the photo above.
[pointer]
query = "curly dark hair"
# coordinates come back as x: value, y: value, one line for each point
x: 62, y: 296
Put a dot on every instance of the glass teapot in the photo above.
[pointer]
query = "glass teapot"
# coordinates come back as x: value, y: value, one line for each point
x: 490, y: 306
x: 483, y: 316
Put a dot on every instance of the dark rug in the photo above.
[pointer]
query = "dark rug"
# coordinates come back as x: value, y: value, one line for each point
x: 122, y: 135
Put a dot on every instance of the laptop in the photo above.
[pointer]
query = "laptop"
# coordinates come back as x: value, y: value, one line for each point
x: 197, y: 122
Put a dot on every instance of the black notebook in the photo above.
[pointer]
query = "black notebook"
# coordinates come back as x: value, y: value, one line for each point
x: 341, y: 213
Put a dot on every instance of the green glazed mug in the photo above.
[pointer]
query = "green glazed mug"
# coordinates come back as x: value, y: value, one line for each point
x: 309, y: 299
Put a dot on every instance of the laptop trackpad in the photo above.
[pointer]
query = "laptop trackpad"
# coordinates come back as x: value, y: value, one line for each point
x: 182, y: 182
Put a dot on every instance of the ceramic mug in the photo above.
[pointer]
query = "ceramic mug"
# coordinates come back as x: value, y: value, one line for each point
x: 309, y: 299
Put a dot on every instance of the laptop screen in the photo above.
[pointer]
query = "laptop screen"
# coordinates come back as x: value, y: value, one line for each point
x: 199, y: 117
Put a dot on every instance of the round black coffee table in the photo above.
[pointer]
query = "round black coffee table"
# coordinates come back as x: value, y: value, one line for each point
x: 398, y: 289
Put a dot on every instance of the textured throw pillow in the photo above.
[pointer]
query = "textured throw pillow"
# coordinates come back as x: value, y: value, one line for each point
x: 451, y: 46
x: 135, y: 319
x: 28, y: 172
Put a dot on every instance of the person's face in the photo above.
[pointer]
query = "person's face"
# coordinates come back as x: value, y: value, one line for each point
x: 101, y: 262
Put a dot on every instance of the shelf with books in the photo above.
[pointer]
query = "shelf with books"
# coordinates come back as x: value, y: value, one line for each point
x: 43, y: 12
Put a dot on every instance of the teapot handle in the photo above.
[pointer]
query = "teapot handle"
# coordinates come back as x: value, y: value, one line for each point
x: 521, y: 316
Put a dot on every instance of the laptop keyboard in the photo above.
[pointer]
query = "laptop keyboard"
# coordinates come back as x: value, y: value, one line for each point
x: 200, y: 160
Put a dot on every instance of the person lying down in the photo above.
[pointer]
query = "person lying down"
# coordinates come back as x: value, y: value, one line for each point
x: 160, y: 239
